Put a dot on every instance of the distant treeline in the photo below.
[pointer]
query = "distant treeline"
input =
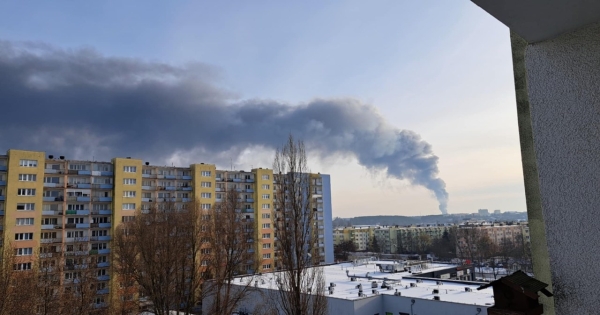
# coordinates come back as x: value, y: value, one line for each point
x: 427, y: 219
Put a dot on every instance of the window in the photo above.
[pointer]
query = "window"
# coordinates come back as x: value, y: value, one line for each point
x: 25, y: 206
x: 75, y: 220
x: 266, y: 225
x: 27, y: 177
x: 266, y: 235
x: 24, y: 251
x: 73, y: 234
x: 266, y: 186
x: 76, y: 207
x: 186, y: 195
x: 23, y: 236
x: 26, y: 192
x: 28, y: 163
x: 266, y: 245
x: 204, y: 263
x: 206, y: 206
x: 205, y: 195
x: 129, y: 169
x: 266, y: 266
x: 78, y: 167
x: 266, y: 256
x: 48, y: 235
x: 266, y: 215
x: 48, y: 221
x: 22, y: 266
x: 205, y: 251
x: 266, y: 206
x: 129, y: 206
x: 265, y: 176
x: 52, y: 180
x: 25, y: 221
x: 127, y: 218
x: 205, y: 173
x: 266, y: 196
x: 99, y: 233
x: 129, y: 181
x: 205, y: 184
x: 97, y: 246
x: 102, y: 206
x: 129, y: 193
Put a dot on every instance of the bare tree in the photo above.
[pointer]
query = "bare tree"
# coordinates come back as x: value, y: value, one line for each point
x: 158, y: 251
x: 228, y: 237
x: 301, y: 282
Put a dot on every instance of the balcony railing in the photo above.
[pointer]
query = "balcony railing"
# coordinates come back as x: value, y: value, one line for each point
x: 2, y: 183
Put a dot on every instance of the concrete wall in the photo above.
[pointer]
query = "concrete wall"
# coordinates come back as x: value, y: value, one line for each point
x: 563, y: 80
x: 395, y: 304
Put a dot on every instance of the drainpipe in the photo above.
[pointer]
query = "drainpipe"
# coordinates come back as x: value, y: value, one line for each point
x: 412, y: 302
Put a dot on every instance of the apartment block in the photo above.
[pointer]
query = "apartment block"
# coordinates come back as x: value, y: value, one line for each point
x: 67, y: 210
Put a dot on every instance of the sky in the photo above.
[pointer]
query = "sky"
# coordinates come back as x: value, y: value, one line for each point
x: 407, y: 104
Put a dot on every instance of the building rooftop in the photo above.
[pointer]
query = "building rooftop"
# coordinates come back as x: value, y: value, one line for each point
x: 345, y: 288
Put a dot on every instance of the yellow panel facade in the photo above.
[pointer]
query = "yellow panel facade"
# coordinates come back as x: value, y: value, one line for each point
x: 126, y: 192
x: 203, y: 183
x: 24, y: 197
x: 264, y: 218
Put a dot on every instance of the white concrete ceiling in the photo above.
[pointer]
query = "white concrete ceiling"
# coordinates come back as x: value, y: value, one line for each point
x: 537, y: 20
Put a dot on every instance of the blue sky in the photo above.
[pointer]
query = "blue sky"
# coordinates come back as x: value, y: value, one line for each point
x: 439, y: 68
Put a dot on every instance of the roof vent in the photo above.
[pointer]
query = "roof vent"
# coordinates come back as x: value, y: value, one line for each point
x: 439, y: 282
x: 437, y: 298
x: 375, y: 292
x: 467, y: 289
x: 332, y: 284
x: 412, y: 285
x: 419, y: 281
x: 397, y: 293
x: 62, y: 157
x: 147, y: 163
x: 435, y: 291
x: 51, y: 156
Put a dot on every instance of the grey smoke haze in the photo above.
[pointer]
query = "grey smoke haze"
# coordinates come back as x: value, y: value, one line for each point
x: 81, y: 101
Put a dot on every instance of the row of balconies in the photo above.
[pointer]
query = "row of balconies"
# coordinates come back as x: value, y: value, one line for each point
x: 75, y: 226
x: 249, y: 190
x: 79, y: 185
x: 235, y: 180
x: 78, y: 198
x: 183, y: 177
x: 172, y: 199
x: 75, y: 212
x: 184, y: 188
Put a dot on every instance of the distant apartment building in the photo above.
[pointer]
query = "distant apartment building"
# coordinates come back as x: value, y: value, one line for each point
x: 67, y: 209
x: 391, y: 239
x: 500, y: 234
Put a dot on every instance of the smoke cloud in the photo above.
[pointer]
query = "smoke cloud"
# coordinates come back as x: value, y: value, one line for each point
x: 77, y: 102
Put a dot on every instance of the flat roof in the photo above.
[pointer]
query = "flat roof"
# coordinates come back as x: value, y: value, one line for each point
x: 449, y: 291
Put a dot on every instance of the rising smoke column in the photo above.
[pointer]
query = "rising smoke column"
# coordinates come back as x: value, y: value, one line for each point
x: 81, y: 101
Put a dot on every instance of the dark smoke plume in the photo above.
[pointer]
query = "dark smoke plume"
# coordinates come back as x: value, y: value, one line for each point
x: 80, y: 101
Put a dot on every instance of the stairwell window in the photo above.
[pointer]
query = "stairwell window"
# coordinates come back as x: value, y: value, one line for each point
x: 205, y: 173
x: 26, y: 192
x: 25, y: 206
x: 266, y: 235
x: 266, y: 256
x: 129, y: 181
x: 25, y: 221
x: 129, y: 193
x: 266, y: 186
x: 27, y: 177
x: 28, y: 163
x: 24, y: 251
x: 265, y: 176
x: 266, y: 206
x: 129, y: 206
x: 205, y: 206
x: 266, y: 196
x: 266, y: 245
x: 22, y: 266
x: 205, y: 195
x: 23, y: 236
x: 129, y: 169
x: 205, y: 184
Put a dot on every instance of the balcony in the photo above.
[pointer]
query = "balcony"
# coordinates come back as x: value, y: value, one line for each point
x: 52, y: 171
x: 102, y: 186
x: 94, y: 252
x: 249, y: 180
x: 170, y: 188
x: 2, y: 167
x: 70, y: 225
x: 102, y: 292
x: 248, y: 210
x: 50, y: 199
x: 185, y: 199
x: 104, y: 251
x: 218, y: 189
x: 102, y: 173
x: 146, y: 199
x: 2, y: 198
x: 218, y: 200
x: 2, y: 183
x: 77, y: 239
x: 186, y: 177
x: 83, y: 185
x: 237, y: 180
x: 186, y: 188
x: 249, y: 190
x: 103, y: 199
x: 170, y: 177
x: 103, y: 278
x: 148, y: 176
x: 104, y: 225
x: 219, y: 179
x: 82, y: 226
x: 104, y: 238
x: 51, y: 185
x: 50, y: 240
x: 147, y: 187
x: 249, y: 200
x: 84, y: 172
x: 47, y: 227
x: 1, y: 212
x: 103, y: 264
